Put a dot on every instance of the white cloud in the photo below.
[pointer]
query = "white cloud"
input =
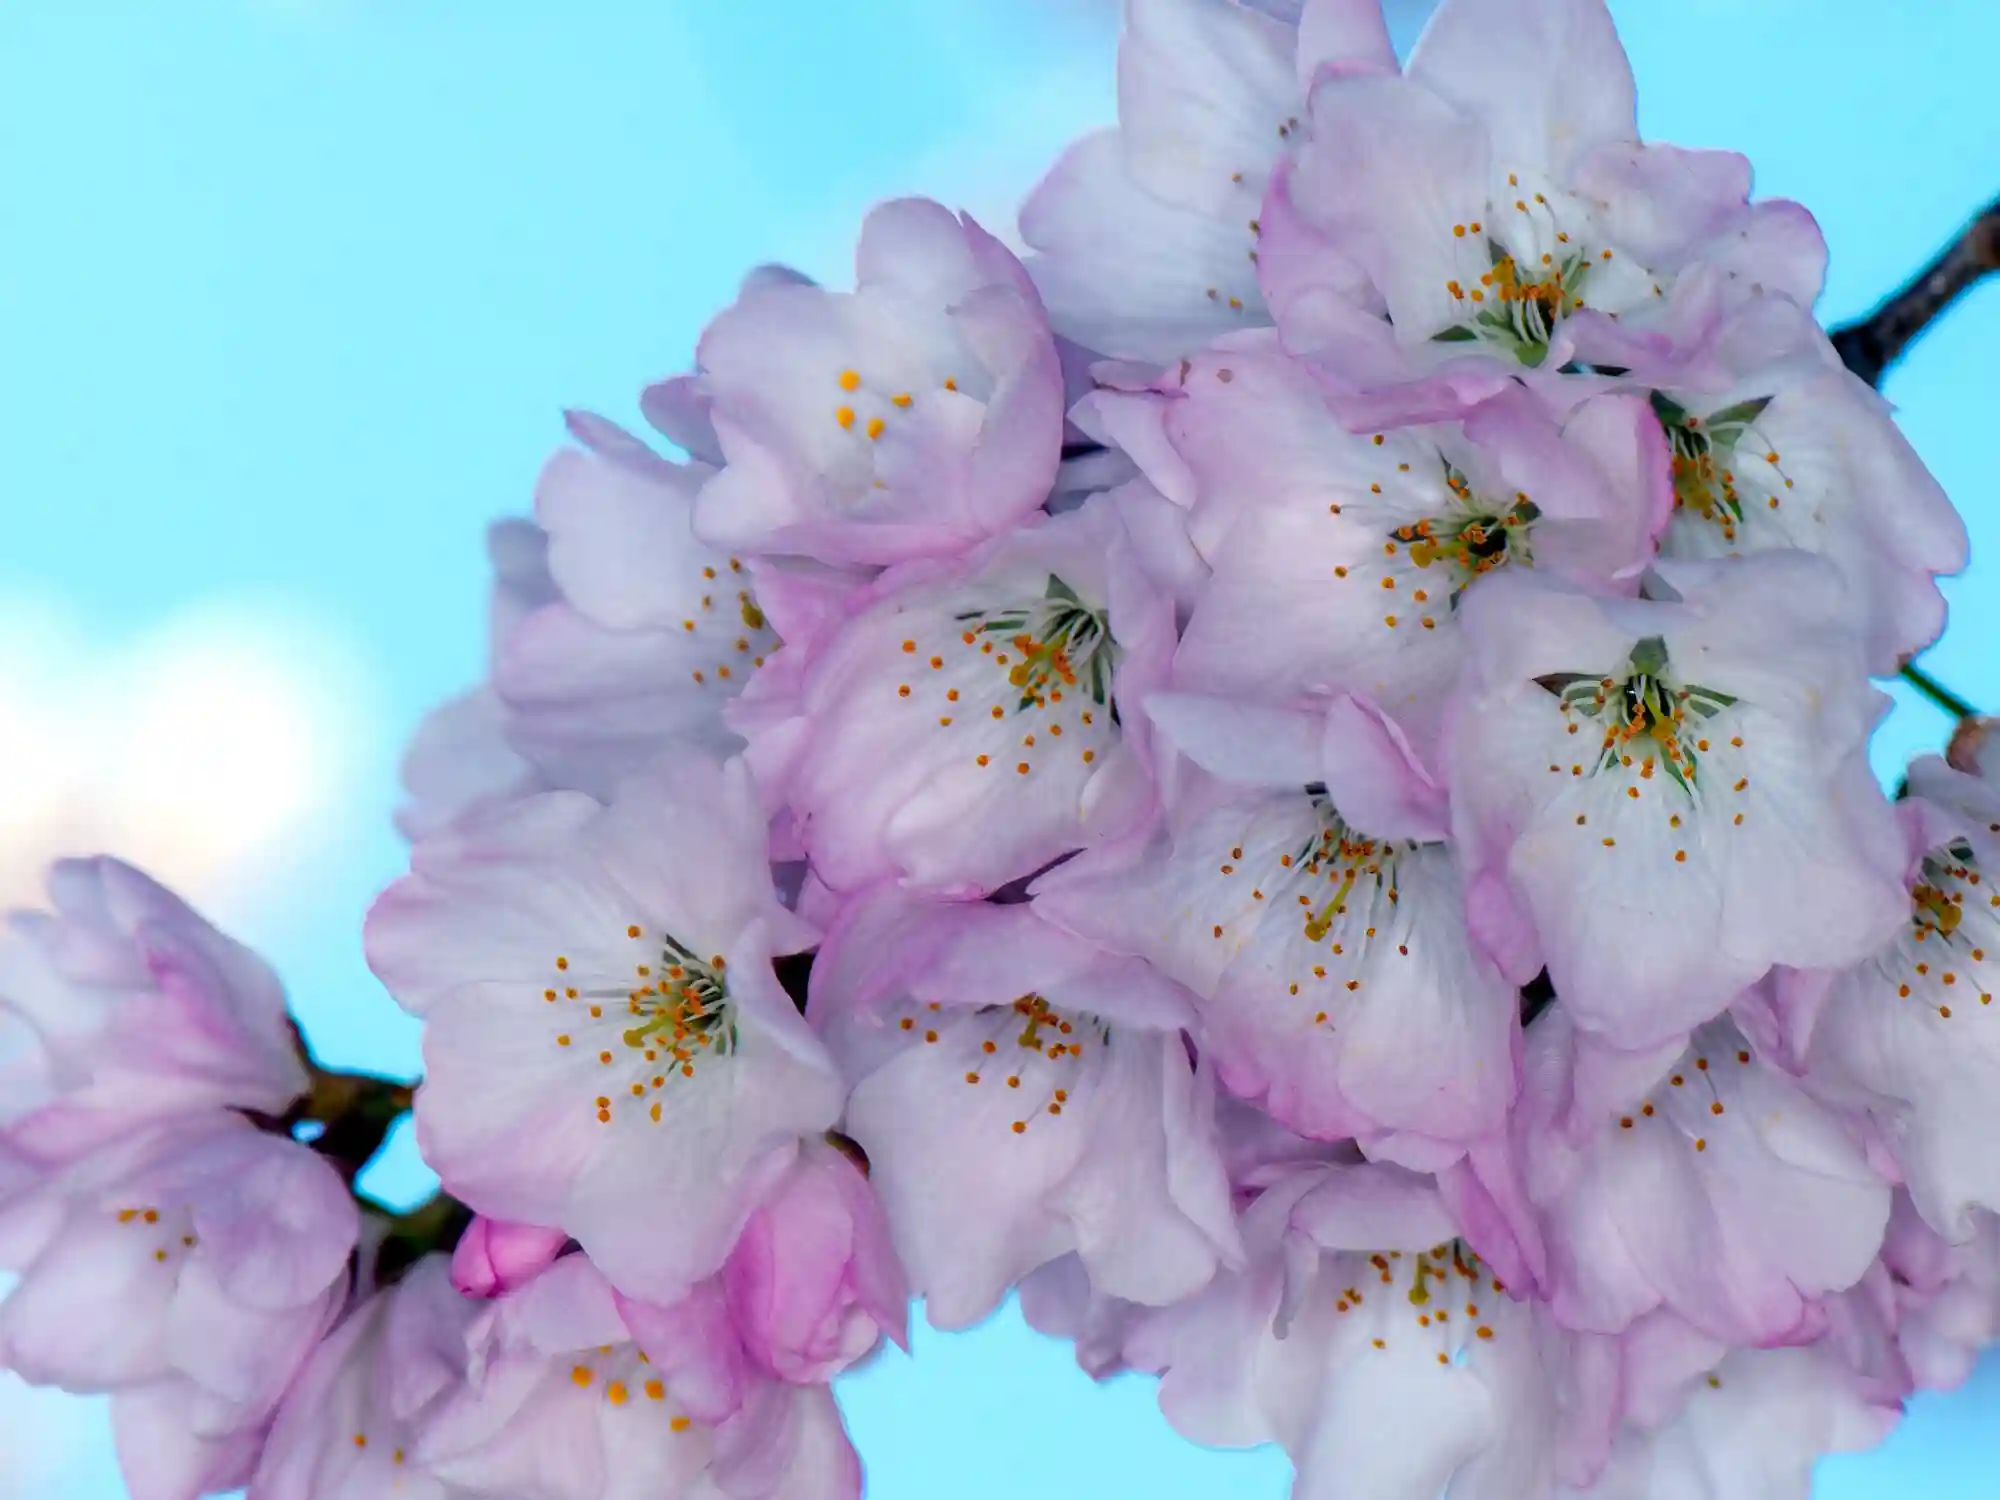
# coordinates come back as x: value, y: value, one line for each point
x: 201, y: 752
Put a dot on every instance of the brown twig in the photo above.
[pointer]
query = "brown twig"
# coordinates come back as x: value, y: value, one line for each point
x: 1871, y: 346
x: 432, y: 1227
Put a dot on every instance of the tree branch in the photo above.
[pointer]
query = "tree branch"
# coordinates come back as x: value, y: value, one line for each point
x: 1871, y: 346
x: 433, y: 1226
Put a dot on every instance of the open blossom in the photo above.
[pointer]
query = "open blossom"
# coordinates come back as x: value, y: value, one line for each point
x: 1358, y: 892
x: 649, y: 633
x: 961, y: 727
x: 1776, y: 445
x: 188, y: 1268
x: 1913, y: 1025
x: 1318, y: 916
x: 608, y: 1051
x: 560, y: 1402
x: 167, y: 1250
x: 1753, y: 1428
x: 350, y: 1427
x: 1148, y: 235
x: 912, y: 417
x: 1719, y: 1190
x: 1341, y: 559
x: 1661, y: 800
x: 1383, y: 1355
x: 139, y: 1011
x: 1497, y: 189
x: 1947, y: 1297
x: 459, y: 758
x: 1021, y: 1095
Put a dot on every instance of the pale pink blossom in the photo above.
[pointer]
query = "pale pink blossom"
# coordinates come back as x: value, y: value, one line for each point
x: 1776, y: 445
x: 493, y: 1257
x: 1021, y: 1095
x: 1717, y: 1189
x: 1379, y: 1351
x: 350, y: 1427
x: 1946, y: 1296
x: 813, y: 1282
x: 1911, y: 1029
x: 139, y: 1011
x: 649, y: 632
x: 561, y: 1403
x: 912, y: 417
x: 188, y: 1268
x: 1149, y: 235
x: 459, y: 757
x: 1752, y: 1428
x: 1341, y: 558
x: 1316, y: 912
x: 607, y: 1048
x: 1496, y: 193
x: 967, y: 723
x: 812, y: 1286
x: 1660, y: 800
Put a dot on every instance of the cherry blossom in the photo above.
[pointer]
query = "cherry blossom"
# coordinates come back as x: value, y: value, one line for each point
x: 1020, y: 1096
x: 649, y: 633
x: 1913, y: 1025
x: 1660, y: 800
x: 1374, y: 1346
x: 187, y: 1268
x: 964, y: 725
x: 1341, y: 559
x: 1320, y: 922
x: 559, y: 1400
x: 1148, y: 234
x: 1718, y: 1190
x: 630, y: 1006
x: 1497, y: 190
x: 351, y: 1425
x: 1285, y: 775
x: 139, y: 1010
x: 459, y: 758
x: 911, y: 417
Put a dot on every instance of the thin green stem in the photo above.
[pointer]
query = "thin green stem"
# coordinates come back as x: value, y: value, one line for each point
x: 1937, y: 692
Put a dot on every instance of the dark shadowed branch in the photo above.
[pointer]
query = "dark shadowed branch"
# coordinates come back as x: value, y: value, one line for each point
x: 1871, y: 346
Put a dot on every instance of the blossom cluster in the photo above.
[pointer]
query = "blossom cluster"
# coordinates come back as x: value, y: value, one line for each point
x: 1282, y: 774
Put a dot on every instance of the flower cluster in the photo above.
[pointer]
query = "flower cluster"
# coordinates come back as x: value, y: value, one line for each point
x: 1283, y: 774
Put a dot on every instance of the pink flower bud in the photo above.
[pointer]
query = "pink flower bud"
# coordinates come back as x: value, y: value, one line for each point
x: 496, y: 1257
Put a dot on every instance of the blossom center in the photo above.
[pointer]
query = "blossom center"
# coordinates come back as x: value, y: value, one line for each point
x: 1941, y: 959
x: 1028, y: 1048
x: 1724, y: 469
x: 652, y: 1028
x: 169, y: 1232
x: 1330, y: 895
x: 620, y: 1375
x: 1445, y: 1296
x: 1473, y: 537
x: 1644, y: 715
x: 1021, y: 684
x: 1525, y: 266
x: 1691, y: 1103
x: 734, y: 628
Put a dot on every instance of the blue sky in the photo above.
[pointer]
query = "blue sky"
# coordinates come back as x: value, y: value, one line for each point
x: 292, y: 293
